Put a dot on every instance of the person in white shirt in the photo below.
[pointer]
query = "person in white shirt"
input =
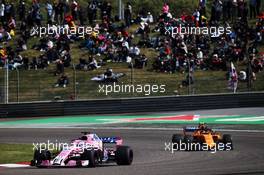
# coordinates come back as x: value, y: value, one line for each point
x: 169, y: 15
x: 199, y: 54
x: 242, y: 76
x: 134, y: 51
x: 196, y: 14
x: 150, y: 18
x: 49, y: 11
x: 93, y: 64
x: 2, y: 12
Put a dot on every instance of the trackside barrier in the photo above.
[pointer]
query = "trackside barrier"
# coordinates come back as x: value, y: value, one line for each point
x: 134, y: 105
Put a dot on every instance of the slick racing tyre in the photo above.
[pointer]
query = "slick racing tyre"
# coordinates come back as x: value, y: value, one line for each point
x: 227, y: 140
x: 124, y: 155
x: 176, y: 138
x: 188, y: 140
x: 39, y: 156
x: 90, y: 155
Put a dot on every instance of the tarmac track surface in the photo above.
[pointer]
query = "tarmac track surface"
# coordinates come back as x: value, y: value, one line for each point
x: 150, y: 157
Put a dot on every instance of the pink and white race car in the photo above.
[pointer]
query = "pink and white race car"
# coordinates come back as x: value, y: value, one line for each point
x: 86, y: 151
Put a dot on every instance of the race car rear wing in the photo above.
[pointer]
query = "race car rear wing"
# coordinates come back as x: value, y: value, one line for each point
x: 113, y: 140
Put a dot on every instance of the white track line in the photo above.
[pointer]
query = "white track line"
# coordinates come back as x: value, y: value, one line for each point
x: 243, y: 119
x: 13, y: 165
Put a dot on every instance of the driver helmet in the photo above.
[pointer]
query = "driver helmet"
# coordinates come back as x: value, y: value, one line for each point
x: 202, y: 126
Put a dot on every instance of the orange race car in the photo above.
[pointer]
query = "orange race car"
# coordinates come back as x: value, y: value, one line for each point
x: 201, y: 138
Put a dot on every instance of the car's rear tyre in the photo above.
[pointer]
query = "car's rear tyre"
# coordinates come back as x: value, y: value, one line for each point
x: 227, y: 140
x: 188, y: 140
x: 176, y: 139
x: 124, y: 155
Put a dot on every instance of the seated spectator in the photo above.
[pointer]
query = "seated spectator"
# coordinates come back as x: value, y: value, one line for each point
x: 2, y: 56
x: 66, y: 58
x: 141, y: 62
x: 142, y: 28
x: 242, y: 76
x: 134, y: 51
x: 257, y: 65
x: 34, y: 64
x: 59, y: 67
x: 188, y: 81
x: 11, y: 24
x: 63, y: 81
x: 199, y: 54
x: 82, y: 64
x: 148, y: 19
x: 43, y: 62
x: 42, y: 46
x: 26, y: 63
x: 108, y: 75
x: 52, y: 55
x: 18, y: 62
x: 110, y: 55
x: 21, y: 45
x: 93, y: 64
x: 217, y: 63
x: 146, y: 42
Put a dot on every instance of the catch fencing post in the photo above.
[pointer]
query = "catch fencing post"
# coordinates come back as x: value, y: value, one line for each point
x: 132, y: 73
x: 18, y: 84
x: 6, y: 82
x: 74, y: 82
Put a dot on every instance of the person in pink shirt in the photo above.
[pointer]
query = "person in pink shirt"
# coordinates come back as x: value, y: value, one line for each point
x: 165, y: 8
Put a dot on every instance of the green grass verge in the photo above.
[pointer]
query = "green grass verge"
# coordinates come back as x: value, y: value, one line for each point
x: 13, y: 153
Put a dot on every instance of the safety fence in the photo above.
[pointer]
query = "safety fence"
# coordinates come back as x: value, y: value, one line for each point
x: 40, y: 85
x: 132, y: 105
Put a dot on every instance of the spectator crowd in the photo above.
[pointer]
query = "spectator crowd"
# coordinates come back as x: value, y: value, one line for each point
x: 114, y: 42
